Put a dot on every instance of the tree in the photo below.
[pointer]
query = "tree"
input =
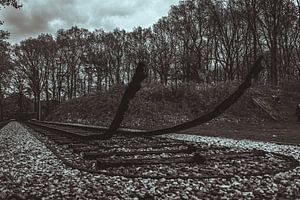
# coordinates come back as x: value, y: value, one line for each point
x: 18, y: 83
x: 114, y: 42
x: 161, y: 50
x: 72, y: 44
x: 271, y: 27
x: 96, y: 60
x: 191, y: 27
x: 5, y: 63
x: 48, y: 51
x: 137, y: 50
x: 29, y: 58
x: 5, y: 68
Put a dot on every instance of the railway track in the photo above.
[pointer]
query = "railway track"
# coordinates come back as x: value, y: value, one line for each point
x: 96, y: 129
x: 139, y: 132
x: 85, y: 148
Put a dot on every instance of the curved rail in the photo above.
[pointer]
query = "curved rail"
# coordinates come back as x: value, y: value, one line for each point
x: 219, y: 109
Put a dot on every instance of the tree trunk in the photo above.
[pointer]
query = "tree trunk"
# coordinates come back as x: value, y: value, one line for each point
x: 1, y: 104
x: 274, y: 64
x: 21, y: 108
x: 39, y: 107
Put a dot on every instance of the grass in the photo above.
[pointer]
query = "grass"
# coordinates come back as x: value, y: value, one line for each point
x: 157, y: 106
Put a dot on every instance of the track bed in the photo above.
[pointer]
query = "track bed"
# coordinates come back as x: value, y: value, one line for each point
x: 154, y: 157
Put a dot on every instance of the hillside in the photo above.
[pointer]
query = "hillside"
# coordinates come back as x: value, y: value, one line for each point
x: 156, y: 106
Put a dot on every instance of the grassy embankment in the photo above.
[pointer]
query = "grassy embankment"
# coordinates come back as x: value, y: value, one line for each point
x: 156, y: 106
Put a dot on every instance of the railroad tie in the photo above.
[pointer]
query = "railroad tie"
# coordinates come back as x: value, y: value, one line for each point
x: 94, y: 155
x: 107, y: 163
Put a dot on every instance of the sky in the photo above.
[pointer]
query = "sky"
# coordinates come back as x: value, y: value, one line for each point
x: 47, y: 16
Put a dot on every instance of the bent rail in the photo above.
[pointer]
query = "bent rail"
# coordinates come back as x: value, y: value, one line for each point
x: 219, y: 109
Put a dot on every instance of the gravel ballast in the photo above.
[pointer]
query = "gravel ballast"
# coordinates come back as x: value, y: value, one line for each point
x: 28, y: 170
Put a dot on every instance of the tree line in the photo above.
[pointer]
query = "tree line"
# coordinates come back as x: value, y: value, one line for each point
x: 201, y: 41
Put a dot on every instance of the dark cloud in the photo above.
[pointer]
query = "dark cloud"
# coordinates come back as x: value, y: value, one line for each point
x: 38, y: 16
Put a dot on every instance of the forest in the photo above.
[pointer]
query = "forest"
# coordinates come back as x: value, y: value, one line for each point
x: 199, y: 41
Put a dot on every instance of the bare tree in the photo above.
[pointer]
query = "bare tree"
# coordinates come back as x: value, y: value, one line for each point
x: 28, y: 57
x: 72, y: 44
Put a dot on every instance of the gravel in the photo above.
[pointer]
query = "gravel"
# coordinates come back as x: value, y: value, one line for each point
x: 28, y: 170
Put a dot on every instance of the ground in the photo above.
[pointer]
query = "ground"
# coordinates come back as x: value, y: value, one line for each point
x: 282, y: 132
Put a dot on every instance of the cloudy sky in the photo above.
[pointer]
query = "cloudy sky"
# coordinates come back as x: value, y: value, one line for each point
x: 47, y: 16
